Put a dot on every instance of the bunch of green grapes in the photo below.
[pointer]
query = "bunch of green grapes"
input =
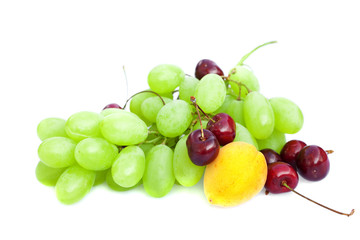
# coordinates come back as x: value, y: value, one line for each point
x: 145, y: 144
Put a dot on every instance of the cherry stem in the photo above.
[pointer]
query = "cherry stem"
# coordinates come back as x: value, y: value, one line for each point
x: 341, y: 213
x: 329, y: 151
x: 149, y: 91
x: 248, y: 54
x: 193, y: 100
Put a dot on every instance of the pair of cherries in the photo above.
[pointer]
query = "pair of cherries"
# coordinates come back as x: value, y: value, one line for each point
x: 204, y: 144
x: 311, y: 162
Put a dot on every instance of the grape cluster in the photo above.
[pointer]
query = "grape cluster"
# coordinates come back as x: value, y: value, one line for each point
x: 161, y: 139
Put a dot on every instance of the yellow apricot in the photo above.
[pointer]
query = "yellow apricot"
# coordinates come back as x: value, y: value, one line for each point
x: 237, y: 174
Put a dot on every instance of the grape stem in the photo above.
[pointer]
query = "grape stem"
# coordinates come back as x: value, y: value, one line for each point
x: 126, y: 82
x: 248, y: 54
x: 149, y: 91
x: 155, y: 140
x: 341, y: 213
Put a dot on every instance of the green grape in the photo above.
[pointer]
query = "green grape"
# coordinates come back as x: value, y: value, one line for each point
x: 100, y: 177
x: 185, y: 171
x: 113, y: 185
x: 95, y: 154
x: 128, y: 168
x: 288, y: 116
x: 258, y: 115
x: 146, y: 147
x: 108, y: 111
x: 57, y: 152
x: 243, y: 135
x: 165, y: 78
x: 82, y: 125
x: 236, y: 110
x: 241, y: 74
x: 51, y: 127
x: 187, y: 88
x: 198, y: 126
x: 174, y: 118
x: 74, y: 184
x: 225, y: 105
x: 151, y: 106
x: 48, y: 175
x: 210, y: 93
x: 123, y: 129
x: 276, y: 141
x: 159, y: 177
x: 138, y: 99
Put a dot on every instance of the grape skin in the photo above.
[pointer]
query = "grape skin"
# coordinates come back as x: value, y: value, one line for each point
x: 186, y: 172
x: 210, y: 93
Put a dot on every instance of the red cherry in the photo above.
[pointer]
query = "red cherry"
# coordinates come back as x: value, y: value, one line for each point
x: 223, y: 127
x: 271, y: 156
x: 205, y: 67
x: 202, y: 148
x: 313, y: 163
x: 280, y: 173
x: 112, y: 105
x: 290, y: 150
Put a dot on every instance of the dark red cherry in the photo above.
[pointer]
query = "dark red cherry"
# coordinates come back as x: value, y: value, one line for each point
x: 205, y: 67
x: 313, y: 163
x: 290, y: 150
x: 270, y: 155
x: 278, y: 174
x: 112, y: 105
x: 223, y: 127
x: 204, y: 149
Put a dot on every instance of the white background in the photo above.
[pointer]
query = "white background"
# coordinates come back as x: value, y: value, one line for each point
x: 61, y: 57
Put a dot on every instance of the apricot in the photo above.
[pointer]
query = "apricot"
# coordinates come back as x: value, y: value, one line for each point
x: 237, y: 174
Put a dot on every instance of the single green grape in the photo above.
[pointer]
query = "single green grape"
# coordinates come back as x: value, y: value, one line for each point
x: 243, y: 135
x: 241, y: 74
x: 151, y: 106
x: 48, y: 175
x: 275, y: 141
x: 123, y: 129
x: 113, y: 185
x: 174, y: 118
x: 159, y: 178
x: 95, y: 154
x: 187, y: 88
x: 186, y: 172
x: 74, y: 184
x: 100, y: 177
x: 236, y: 110
x: 225, y: 105
x: 210, y: 93
x: 57, y: 152
x: 129, y: 166
x: 108, y: 111
x: 288, y: 116
x: 165, y: 78
x: 51, y: 127
x: 258, y: 115
x: 82, y: 125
